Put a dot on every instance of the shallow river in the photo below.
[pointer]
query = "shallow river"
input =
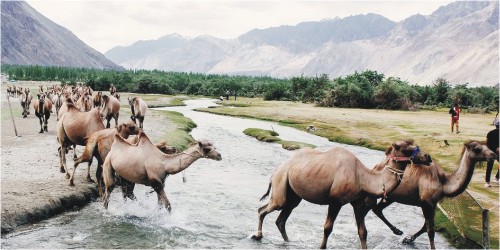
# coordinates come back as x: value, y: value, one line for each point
x: 217, y: 206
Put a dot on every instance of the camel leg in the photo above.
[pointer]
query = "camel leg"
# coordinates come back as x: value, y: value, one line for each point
x: 428, y: 226
x: 378, y: 211
x: 41, y: 124
x: 263, y: 211
x: 116, y: 120
x: 108, y: 119
x: 162, y: 196
x: 99, y: 177
x: 292, y: 202
x: 62, y: 158
x: 109, y: 181
x: 360, y: 213
x: 141, y: 121
x: 333, y: 211
x: 128, y: 190
x: 46, y: 123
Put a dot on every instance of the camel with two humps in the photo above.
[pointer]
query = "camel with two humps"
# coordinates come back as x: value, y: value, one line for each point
x: 427, y: 185
x: 25, y: 97
x: 143, y: 163
x: 138, y: 108
x: 43, y: 107
x: 334, y: 178
x: 73, y: 128
x: 111, y: 109
x: 98, y: 146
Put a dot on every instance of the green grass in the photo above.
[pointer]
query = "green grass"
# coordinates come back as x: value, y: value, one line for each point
x: 180, y: 137
x: 445, y: 227
x: 262, y: 134
x: 272, y: 136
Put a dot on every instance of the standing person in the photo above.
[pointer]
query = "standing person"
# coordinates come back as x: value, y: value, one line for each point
x: 492, y: 143
x: 455, y: 115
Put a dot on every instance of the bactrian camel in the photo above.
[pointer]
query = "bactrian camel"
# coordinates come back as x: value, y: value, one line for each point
x: 425, y: 186
x: 111, y: 109
x: 138, y: 108
x: 73, y: 128
x: 144, y: 163
x: 334, y: 178
x: 43, y: 108
x: 98, y: 145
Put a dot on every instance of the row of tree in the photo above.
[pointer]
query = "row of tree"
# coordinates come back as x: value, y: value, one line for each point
x: 367, y: 89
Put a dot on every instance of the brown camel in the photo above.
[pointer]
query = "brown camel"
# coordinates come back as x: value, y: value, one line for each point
x: 25, y: 98
x: 84, y: 103
x: 57, y: 100
x: 112, y: 89
x: 145, y: 164
x: 427, y: 185
x: 111, y: 109
x: 98, y: 100
x: 42, y: 110
x: 98, y: 145
x: 334, y: 178
x: 138, y: 108
x: 73, y: 128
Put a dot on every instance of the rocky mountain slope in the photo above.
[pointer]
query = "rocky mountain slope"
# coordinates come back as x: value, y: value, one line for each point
x: 30, y: 38
x: 458, y: 42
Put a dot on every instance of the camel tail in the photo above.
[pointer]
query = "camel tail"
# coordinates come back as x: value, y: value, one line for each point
x: 267, y: 193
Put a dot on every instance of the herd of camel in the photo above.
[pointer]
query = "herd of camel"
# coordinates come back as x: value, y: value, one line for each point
x: 126, y: 156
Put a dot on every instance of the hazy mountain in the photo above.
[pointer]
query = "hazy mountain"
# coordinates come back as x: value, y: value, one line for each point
x: 30, y: 38
x: 458, y: 41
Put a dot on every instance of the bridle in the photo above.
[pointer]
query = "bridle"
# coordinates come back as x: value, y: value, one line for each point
x: 397, y: 172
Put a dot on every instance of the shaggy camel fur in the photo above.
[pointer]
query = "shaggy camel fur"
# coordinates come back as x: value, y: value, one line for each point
x: 73, y: 128
x: 98, y: 145
x: 334, y: 178
x: 138, y: 108
x: 427, y: 185
x: 111, y: 109
x: 42, y: 110
x: 145, y: 164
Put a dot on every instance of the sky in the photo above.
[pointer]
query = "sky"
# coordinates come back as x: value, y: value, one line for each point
x: 106, y: 24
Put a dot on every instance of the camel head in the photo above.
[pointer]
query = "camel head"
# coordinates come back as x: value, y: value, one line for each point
x: 207, y: 150
x: 128, y: 128
x: 478, y: 151
x: 405, y: 151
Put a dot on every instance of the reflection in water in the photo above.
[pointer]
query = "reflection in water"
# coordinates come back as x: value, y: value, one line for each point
x: 217, y: 206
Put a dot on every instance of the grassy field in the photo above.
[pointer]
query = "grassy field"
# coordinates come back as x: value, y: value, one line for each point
x: 377, y: 129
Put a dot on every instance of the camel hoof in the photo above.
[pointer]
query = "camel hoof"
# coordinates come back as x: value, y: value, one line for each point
x: 63, y: 171
x: 71, y: 184
x: 255, y: 237
x: 397, y: 231
x: 408, y: 240
x: 90, y: 180
x: 41, y: 132
x: 67, y: 176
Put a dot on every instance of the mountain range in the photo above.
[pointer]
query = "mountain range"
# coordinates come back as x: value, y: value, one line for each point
x: 29, y: 38
x: 458, y: 42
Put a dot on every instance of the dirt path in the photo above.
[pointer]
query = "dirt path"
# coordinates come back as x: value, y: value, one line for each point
x: 32, y: 187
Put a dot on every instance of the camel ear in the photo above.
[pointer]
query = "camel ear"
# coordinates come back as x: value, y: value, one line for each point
x: 119, y: 127
x: 395, y: 146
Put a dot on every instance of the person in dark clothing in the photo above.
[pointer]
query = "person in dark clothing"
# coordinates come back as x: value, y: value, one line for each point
x: 492, y: 143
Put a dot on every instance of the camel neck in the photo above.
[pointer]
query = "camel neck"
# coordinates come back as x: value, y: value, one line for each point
x: 457, y: 181
x: 382, y: 183
x: 182, y: 160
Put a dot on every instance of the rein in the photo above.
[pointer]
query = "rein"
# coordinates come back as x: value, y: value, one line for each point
x: 397, y: 172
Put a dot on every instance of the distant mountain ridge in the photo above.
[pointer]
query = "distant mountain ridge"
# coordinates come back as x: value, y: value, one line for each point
x: 458, y: 42
x: 29, y: 38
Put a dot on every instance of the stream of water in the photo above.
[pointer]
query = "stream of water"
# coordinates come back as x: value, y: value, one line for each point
x: 217, y: 206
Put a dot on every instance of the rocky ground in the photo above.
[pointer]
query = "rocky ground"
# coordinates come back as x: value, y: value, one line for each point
x: 32, y: 187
